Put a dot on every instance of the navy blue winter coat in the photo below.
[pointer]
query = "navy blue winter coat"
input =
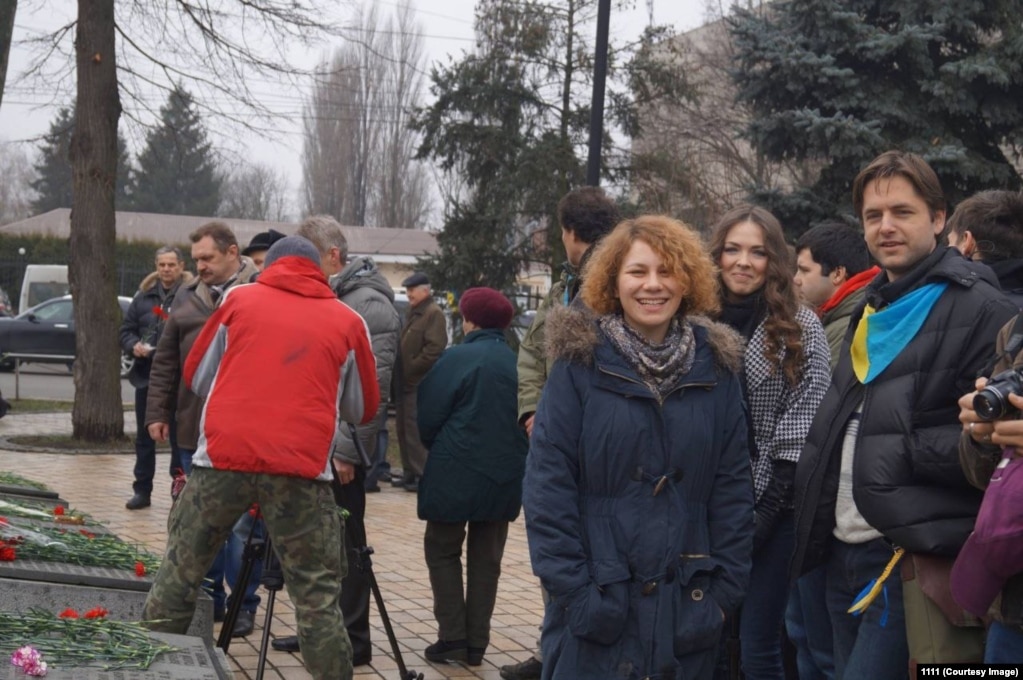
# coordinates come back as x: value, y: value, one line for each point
x: 639, y: 511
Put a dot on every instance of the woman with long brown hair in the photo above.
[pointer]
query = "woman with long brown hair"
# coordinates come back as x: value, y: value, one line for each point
x: 785, y: 375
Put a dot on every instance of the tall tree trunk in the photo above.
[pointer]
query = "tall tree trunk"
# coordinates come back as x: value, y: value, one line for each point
x: 8, y: 8
x: 98, y: 414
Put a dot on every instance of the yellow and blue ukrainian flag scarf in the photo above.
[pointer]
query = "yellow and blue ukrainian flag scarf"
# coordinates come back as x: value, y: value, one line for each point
x: 882, y: 335
x: 879, y: 338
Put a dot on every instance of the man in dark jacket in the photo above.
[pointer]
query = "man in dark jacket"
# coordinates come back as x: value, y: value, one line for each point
x: 140, y: 332
x: 423, y: 338
x: 361, y: 286
x: 832, y: 268
x: 988, y: 226
x: 880, y: 467
x: 220, y: 267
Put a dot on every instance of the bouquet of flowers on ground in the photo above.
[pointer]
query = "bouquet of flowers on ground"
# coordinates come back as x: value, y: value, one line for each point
x: 12, y: 479
x: 38, y: 640
x: 73, y: 546
x: 58, y: 513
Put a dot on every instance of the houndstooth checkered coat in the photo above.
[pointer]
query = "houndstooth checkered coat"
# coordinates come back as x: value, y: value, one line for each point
x: 782, y: 414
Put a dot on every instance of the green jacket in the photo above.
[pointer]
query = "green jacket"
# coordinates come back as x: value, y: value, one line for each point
x: 836, y: 322
x: 423, y: 339
x: 532, y: 362
x: 466, y: 417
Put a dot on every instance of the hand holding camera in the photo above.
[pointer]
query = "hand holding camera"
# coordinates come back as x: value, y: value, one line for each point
x: 991, y: 414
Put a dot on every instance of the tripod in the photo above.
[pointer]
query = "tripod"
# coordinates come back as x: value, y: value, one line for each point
x: 273, y: 580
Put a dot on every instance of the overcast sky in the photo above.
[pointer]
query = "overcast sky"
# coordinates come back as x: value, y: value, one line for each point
x: 447, y: 28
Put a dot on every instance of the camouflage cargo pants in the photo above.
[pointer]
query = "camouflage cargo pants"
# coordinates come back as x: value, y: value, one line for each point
x: 305, y: 528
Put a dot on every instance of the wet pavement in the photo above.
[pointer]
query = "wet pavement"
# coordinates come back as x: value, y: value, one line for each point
x: 100, y: 483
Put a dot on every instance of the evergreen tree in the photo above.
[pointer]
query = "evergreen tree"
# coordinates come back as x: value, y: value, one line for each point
x: 510, y: 121
x: 832, y: 84
x: 53, y: 169
x: 177, y: 169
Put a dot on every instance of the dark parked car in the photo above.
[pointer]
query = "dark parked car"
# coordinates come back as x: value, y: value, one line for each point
x: 46, y: 329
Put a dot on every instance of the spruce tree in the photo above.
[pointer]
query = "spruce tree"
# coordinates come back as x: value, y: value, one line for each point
x: 510, y: 122
x: 177, y: 168
x: 53, y: 168
x: 833, y: 84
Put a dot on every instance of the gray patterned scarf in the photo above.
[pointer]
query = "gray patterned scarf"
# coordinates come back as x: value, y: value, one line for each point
x: 660, y: 366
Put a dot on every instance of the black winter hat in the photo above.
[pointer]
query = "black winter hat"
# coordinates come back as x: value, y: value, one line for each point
x: 262, y: 241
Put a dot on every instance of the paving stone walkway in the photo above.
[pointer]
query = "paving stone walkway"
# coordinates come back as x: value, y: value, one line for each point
x: 99, y: 484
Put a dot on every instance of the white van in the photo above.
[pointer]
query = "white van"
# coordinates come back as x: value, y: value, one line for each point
x: 41, y: 283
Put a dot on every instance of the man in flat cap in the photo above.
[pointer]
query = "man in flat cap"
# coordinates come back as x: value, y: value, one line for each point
x: 259, y: 244
x: 423, y: 338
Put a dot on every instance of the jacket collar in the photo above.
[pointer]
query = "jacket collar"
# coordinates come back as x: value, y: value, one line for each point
x: 944, y: 264
x: 848, y: 288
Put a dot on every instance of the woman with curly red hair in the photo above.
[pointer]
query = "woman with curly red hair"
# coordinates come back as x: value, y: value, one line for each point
x: 638, y: 495
x: 785, y: 375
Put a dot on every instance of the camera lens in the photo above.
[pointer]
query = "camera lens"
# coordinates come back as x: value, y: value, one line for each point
x: 989, y: 404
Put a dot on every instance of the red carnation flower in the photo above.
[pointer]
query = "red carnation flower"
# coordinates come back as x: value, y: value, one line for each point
x: 160, y: 313
x: 140, y: 569
x: 68, y: 614
x: 87, y: 534
x: 96, y: 613
x: 59, y: 510
x: 7, y: 553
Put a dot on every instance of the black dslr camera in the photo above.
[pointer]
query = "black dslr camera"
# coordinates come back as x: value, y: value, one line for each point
x: 992, y: 402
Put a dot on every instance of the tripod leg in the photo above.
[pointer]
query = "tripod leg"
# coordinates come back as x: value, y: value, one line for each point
x: 265, y: 641
x: 379, y: 598
x: 227, y: 627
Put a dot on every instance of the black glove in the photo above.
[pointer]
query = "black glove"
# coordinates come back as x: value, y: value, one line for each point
x: 776, y: 501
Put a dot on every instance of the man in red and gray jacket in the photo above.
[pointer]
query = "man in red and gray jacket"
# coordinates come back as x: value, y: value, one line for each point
x: 279, y: 363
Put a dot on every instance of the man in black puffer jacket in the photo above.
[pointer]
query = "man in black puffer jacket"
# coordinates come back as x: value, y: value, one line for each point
x: 880, y: 469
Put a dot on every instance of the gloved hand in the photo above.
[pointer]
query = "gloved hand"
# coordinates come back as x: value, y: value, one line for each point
x: 776, y: 501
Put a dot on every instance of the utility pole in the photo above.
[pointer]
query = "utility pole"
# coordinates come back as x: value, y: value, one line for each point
x: 599, y: 80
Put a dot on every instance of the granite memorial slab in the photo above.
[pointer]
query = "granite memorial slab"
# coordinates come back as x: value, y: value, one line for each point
x: 192, y: 660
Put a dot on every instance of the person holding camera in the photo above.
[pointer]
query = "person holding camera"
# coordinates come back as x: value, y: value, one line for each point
x: 983, y: 581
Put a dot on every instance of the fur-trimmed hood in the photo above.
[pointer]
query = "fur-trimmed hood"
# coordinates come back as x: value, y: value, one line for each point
x: 572, y: 334
x: 152, y: 277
